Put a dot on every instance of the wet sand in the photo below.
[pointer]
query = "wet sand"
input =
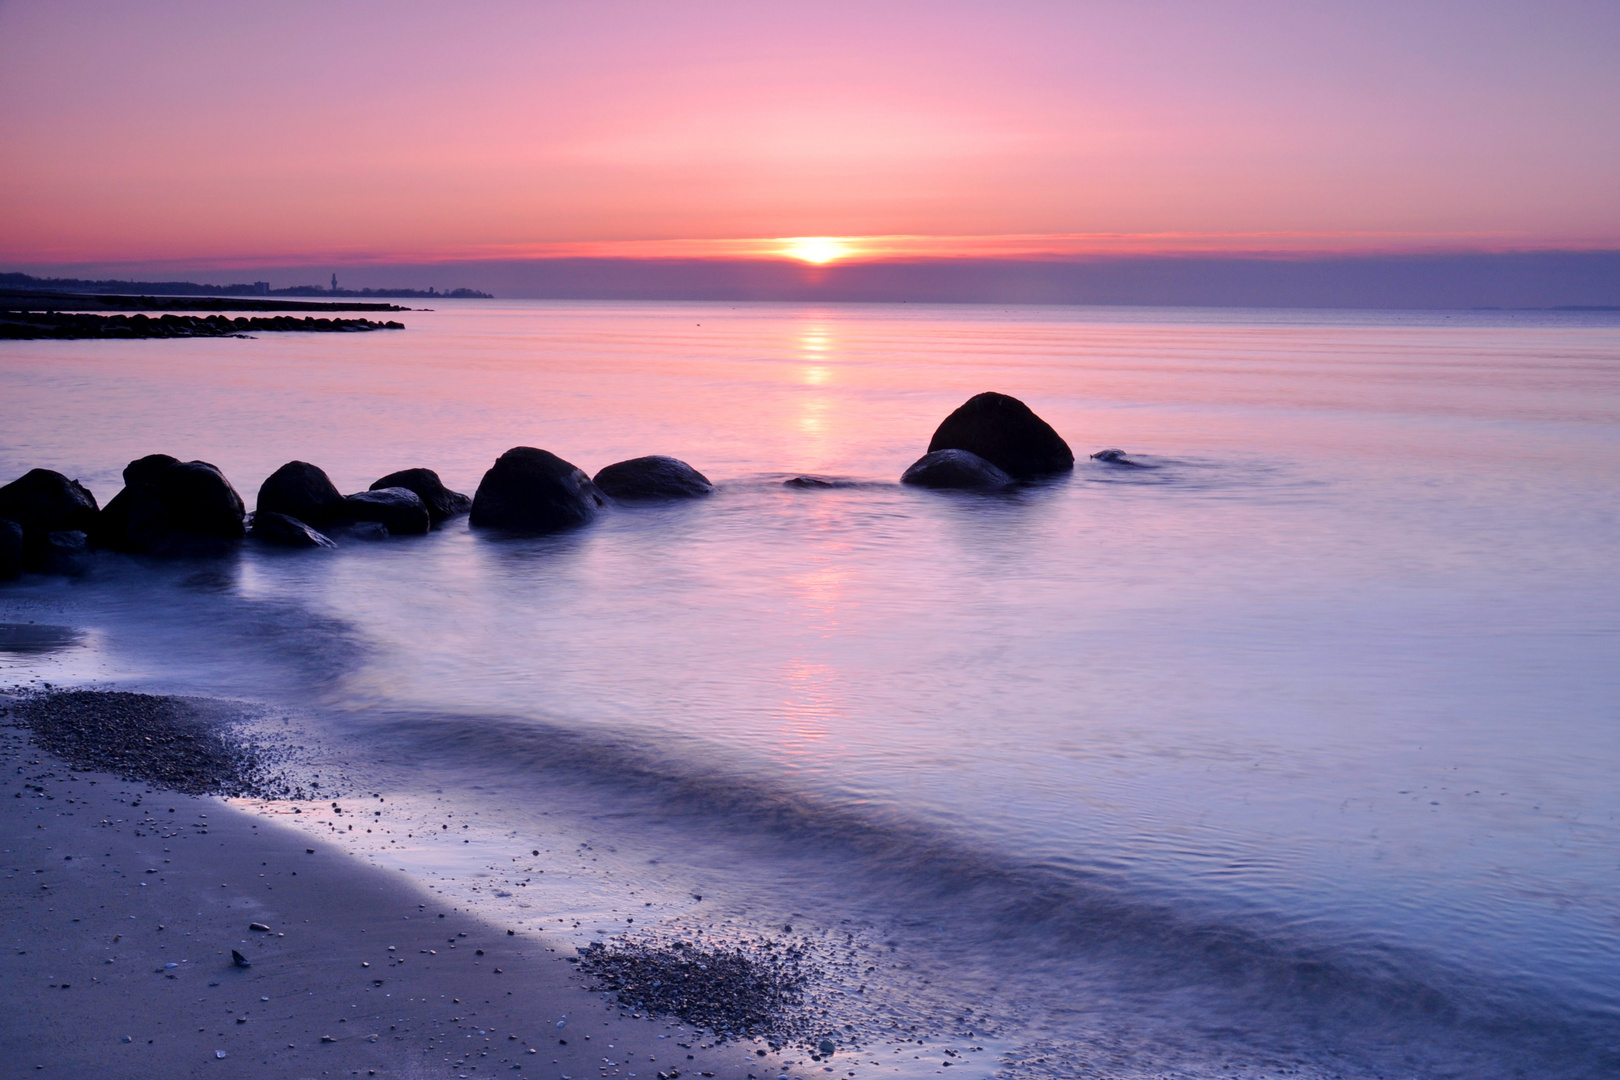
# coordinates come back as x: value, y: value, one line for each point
x: 104, y: 883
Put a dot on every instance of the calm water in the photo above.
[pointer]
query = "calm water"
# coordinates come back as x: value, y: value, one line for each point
x: 1294, y: 755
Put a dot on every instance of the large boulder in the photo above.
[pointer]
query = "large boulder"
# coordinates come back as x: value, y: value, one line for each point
x: 201, y: 501
x: 43, y: 501
x: 279, y: 530
x: 300, y: 490
x: 145, y: 470
x: 533, y: 491
x: 1006, y: 433
x: 399, y: 509
x: 442, y: 503
x: 955, y: 469
x: 171, y: 507
x: 653, y: 477
x: 11, y: 549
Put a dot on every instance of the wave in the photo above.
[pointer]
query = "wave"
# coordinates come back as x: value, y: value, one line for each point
x: 1050, y: 916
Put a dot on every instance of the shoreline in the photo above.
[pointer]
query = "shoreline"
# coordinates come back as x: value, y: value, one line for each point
x: 360, y: 972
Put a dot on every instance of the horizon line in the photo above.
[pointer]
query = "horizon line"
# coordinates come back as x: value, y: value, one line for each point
x: 826, y: 250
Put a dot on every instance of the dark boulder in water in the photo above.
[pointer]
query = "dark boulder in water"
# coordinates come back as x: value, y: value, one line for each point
x: 44, y: 501
x: 171, y: 507
x: 66, y: 551
x: 1006, y: 433
x: 300, y: 490
x: 279, y: 530
x: 11, y: 549
x: 442, y: 503
x: 146, y: 470
x: 533, y: 491
x: 201, y: 501
x: 653, y: 477
x: 135, y: 520
x: 955, y: 469
x: 398, y: 509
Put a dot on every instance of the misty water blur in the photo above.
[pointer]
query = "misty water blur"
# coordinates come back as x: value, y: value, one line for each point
x: 1334, y: 681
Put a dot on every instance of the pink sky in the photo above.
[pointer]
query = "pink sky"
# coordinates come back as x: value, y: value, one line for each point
x: 258, y: 132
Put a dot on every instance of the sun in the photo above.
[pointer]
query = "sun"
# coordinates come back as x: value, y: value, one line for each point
x: 816, y: 249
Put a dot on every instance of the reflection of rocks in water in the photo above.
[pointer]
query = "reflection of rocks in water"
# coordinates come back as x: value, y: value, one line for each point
x: 25, y: 638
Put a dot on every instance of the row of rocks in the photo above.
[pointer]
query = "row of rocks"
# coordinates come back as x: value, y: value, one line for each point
x: 168, y: 507
x: 173, y: 507
x: 25, y: 325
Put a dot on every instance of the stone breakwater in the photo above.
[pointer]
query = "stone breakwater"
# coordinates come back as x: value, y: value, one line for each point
x: 168, y: 507
x: 70, y: 326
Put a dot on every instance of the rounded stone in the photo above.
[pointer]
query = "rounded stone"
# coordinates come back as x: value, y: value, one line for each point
x: 1007, y: 433
x: 653, y: 477
x: 303, y: 491
x: 534, y: 491
x: 955, y: 469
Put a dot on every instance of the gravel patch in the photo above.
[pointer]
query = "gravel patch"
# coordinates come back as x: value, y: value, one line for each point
x: 181, y: 744
x: 736, y: 991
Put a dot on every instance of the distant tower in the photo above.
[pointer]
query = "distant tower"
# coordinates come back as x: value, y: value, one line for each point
x: 334, y: 283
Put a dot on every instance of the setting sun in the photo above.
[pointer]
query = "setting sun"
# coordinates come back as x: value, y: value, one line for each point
x: 816, y: 249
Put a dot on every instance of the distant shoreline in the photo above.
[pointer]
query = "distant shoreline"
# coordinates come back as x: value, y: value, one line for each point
x: 56, y: 326
x: 10, y: 282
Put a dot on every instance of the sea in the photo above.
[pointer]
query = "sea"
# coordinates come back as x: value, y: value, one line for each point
x: 1293, y: 752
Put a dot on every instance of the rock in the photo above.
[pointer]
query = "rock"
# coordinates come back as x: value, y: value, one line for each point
x: 11, y: 550
x: 302, y: 491
x: 145, y: 470
x: 1004, y: 432
x: 200, y: 501
x: 954, y: 469
x: 279, y: 530
x: 135, y: 520
x: 44, y: 501
x: 398, y: 509
x: 365, y: 530
x: 810, y: 481
x: 653, y: 477
x: 442, y: 503
x: 1117, y: 457
x: 66, y: 551
x: 533, y: 491
x: 171, y: 507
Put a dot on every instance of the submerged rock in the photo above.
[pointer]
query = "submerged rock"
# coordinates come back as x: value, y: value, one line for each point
x: 66, y: 551
x: 43, y: 501
x: 171, y: 507
x: 955, y: 469
x: 653, y: 477
x: 279, y: 530
x: 534, y: 491
x: 811, y: 481
x: 300, y: 490
x: 11, y: 549
x: 364, y: 530
x: 442, y: 503
x: 398, y: 509
x: 1006, y: 433
x: 1117, y: 457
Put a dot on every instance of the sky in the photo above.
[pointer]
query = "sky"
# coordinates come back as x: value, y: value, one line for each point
x: 258, y: 134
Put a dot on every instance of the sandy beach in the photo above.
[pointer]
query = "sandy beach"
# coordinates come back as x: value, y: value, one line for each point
x: 122, y: 905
